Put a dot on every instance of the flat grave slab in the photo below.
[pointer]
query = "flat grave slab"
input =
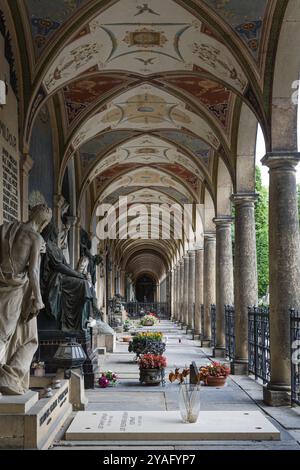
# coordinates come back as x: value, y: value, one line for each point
x: 167, y: 425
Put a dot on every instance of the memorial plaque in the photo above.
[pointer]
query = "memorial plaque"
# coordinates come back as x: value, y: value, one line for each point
x: 168, y: 426
x: 10, y: 174
x: 9, y: 150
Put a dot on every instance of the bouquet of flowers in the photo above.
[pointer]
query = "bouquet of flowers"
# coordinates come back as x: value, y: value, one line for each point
x: 149, y: 320
x: 107, y: 379
x: 152, y: 361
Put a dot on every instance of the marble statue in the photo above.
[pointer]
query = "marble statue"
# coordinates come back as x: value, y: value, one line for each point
x: 20, y: 298
x: 85, y: 251
x: 67, y: 294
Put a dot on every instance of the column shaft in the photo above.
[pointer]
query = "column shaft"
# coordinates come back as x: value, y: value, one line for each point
x: 224, y: 280
x: 209, y: 284
x: 198, y: 290
x: 191, y: 289
x: 186, y: 290
x: 181, y: 298
x: 245, y: 276
x: 284, y: 260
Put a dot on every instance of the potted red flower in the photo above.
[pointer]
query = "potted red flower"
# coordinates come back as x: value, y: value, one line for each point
x: 152, y: 368
x: 214, y: 374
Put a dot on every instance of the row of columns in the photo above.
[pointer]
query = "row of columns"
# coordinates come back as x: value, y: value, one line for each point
x: 206, y: 276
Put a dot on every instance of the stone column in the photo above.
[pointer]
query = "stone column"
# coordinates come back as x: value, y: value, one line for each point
x: 224, y: 280
x: 76, y: 242
x: 191, y: 290
x: 186, y: 290
x: 284, y: 260
x: 72, y: 220
x: 209, y: 284
x: 181, y: 298
x: 173, y: 291
x: 245, y: 276
x: 177, y: 293
x: 123, y: 283
x: 198, y: 290
x: 25, y: 167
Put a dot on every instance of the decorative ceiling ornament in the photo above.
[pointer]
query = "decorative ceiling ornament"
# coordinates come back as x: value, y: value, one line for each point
x: 121, y: 40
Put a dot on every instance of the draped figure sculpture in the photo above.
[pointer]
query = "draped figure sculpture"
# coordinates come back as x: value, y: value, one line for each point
x: 20, y: 298
x: 67, y: 294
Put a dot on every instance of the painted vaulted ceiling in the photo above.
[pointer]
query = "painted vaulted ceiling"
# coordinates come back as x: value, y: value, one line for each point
x: 147, y: 94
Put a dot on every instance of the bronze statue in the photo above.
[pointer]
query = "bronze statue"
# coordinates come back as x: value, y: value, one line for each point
x: 67, y: 294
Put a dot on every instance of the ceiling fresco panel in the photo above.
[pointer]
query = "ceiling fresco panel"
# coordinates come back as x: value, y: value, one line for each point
x: 126, y: 37
x: 46, y: 17
x: 245, y: 17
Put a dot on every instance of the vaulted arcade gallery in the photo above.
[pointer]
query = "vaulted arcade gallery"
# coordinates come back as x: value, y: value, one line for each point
x: 128, y: 173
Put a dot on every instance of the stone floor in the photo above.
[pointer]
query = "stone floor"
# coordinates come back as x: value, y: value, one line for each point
x: 241, y: 393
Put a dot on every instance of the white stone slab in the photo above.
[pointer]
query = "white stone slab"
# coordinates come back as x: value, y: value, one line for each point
x: 167, y: 425
x: 16, y: 404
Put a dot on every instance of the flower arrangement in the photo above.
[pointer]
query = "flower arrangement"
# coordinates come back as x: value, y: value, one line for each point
x: 127, y: 325
x: 38, y: 368
x: 150, y: 342
x: 107, y: 379
x: 148, y: 320
x: 152, y: 361
x: 214, y: 369
x: 154, y: 335
x: 38, y: 365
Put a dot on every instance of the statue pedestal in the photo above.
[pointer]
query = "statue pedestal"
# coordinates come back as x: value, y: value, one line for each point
x: 27, y: 422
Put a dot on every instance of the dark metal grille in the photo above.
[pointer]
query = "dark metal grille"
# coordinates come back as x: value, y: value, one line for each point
x: 259, y: 342
x: 213, y: 325
x: 139, y: 309
x: 295, y: 355
x: 230, y: 331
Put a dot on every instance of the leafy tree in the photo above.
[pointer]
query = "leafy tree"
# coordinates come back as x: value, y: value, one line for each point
x: 262, y: 234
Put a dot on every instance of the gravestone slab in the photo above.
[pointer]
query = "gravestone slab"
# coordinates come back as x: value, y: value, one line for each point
x: 167, y: 425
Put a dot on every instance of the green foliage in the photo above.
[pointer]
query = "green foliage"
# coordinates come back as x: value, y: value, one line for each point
x: 262, y: 235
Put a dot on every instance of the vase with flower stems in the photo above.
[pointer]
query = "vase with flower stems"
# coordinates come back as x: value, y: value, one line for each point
x: 189, y: 395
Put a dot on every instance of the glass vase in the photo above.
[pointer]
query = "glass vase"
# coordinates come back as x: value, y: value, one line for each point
x: 189, y: 402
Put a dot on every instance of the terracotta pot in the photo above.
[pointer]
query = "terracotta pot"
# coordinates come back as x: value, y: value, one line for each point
x: 148, y: 323
x: 212, y: 381
x: 150, y: 376
x: 126, y: 339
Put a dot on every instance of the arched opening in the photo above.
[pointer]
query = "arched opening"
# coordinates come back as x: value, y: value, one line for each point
x: 145, y: 288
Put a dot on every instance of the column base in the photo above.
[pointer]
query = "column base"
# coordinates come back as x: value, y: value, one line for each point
x: 206, y: 343
x: 219, y: 352
x: 197, y: 336
x: 276, y: 397
x: 239, y: 368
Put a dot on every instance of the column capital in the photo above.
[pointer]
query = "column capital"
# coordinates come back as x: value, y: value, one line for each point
x: 191, y: 253
x: 223, y: 220
x: 284, y: 161
x: 244, y: 198
x: 26, y: 163
x: 210, y: 237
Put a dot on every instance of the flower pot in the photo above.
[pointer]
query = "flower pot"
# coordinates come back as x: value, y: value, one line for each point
x: 39, y: 372
x: 148, y: 323
x: 126, y: 339
x: 213, y: 381
x: 150, y: 376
